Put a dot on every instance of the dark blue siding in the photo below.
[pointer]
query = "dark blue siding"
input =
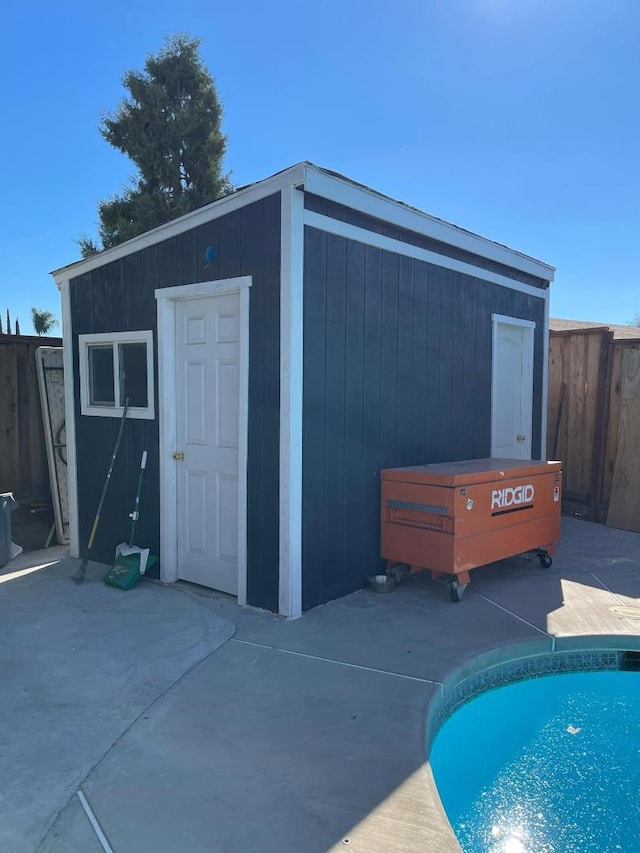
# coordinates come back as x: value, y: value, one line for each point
x: 397, y: 371
x: 120, y: 297
x: 379, y: 226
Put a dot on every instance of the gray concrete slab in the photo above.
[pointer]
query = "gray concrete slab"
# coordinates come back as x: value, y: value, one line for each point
x: 303, y: 735
x: 416, y: 630
x: 72, y: 832
x: 78, y: 665
x: 262, y: 750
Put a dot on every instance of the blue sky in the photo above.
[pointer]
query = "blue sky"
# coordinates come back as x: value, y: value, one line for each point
x: 517, y: 119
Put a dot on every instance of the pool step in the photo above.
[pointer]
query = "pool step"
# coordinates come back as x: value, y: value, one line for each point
x: 631, y: 661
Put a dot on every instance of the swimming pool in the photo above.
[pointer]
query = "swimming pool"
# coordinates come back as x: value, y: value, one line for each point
x: 546, y: 765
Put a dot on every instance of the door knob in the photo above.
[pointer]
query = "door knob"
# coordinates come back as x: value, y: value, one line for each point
x: 178, y: 455
x: 519, y: 437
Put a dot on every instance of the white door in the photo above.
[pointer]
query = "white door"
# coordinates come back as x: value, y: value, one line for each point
x: 207, y: 433
x: 512, y: 389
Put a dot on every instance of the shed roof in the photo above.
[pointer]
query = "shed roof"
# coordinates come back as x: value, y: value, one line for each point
x: 328, y: 184
x: 619, y: 332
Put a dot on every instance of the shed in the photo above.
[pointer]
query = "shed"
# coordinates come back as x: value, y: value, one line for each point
x: 279, y: 347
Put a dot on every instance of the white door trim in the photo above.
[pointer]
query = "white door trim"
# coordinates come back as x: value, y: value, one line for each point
x: 496, y: 320
x: 166, y: 304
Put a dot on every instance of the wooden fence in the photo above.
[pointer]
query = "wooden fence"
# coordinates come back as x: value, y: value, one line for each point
x: 23, y: 460
x: 594, y: 423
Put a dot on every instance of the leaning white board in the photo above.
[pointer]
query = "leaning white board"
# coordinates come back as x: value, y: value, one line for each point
x: 51, y: 382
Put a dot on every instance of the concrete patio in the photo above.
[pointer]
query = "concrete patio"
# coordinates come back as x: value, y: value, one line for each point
x: 189, y: 724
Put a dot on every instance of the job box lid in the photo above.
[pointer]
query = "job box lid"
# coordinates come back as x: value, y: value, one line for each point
x: 470, y: 471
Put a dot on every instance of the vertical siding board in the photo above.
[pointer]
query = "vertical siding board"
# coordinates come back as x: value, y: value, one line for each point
x: 132, y: 292
x: 150, y: 271
x: 100, y: 296
x: 115, y: 284
x: 207, y: 238
x: 270, y: 512
x: 229, y: 244
x: 187, y: 257
x: 113, y: 510
x: 313, y: 429
x: 485, y: 301
x: 168, y: 263
x: 151, y: 280
x: 354, y: 414
x: 404, y: 367
x: 335, y: 372
x: 460, y: 400
x: 448, y: 348
x: 468, y: 345
x: 252, y: 260
x: 432, y: 368
x: 419, y: 360
x: 86, y: 430
x: 372, y: 408
x: 389, y: 359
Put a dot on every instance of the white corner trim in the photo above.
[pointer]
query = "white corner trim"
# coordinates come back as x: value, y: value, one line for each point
x: 515, y: 321
x: 291, y: 376
x: 368, y: 201
x: 166, y: 299
x: 241, y: 198
x: 545, y: 380
x: 371, y: 238
x: 70, y: 419
x: 166, y: 311
x: 84, y: 342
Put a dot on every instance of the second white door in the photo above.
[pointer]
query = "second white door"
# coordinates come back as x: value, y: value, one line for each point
x: 512, y: 389
x: 207, y: 439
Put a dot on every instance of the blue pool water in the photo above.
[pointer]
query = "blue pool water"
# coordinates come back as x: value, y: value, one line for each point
x: 550, y: 765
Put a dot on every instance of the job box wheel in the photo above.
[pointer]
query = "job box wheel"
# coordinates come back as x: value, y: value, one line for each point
x: 456, y: 591
x: 545, y: 559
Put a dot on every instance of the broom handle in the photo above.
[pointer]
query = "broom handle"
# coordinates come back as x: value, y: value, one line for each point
x: 106, y: 482
x: 136, y: 513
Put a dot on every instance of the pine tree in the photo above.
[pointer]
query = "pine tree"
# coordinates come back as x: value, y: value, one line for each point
x: 17, y: 326
x: 8, y: 323
x: 170, y: 127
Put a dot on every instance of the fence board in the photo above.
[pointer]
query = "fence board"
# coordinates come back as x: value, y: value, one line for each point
x: 624, y: 506
x: 575, y: 362
x: 23, y: 467
x: 9, y: 454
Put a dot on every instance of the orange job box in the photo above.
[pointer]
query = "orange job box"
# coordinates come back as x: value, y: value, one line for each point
x: 453, y: 517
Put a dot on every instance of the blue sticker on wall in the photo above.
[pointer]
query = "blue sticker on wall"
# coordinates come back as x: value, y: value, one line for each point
x: 209, y: 255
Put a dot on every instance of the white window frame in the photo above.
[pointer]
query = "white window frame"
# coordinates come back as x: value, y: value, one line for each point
x: 115, y: 338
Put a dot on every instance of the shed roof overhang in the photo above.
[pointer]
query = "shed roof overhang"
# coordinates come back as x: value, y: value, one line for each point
x: 334, y: 187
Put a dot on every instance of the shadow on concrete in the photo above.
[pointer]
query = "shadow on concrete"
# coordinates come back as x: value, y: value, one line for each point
x: 310, y: 735
x: 79, y: 664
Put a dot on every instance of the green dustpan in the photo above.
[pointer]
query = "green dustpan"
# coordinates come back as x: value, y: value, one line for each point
x: 125, y: 572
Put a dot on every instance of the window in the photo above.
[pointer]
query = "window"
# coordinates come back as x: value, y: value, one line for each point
x: 113, y: 368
